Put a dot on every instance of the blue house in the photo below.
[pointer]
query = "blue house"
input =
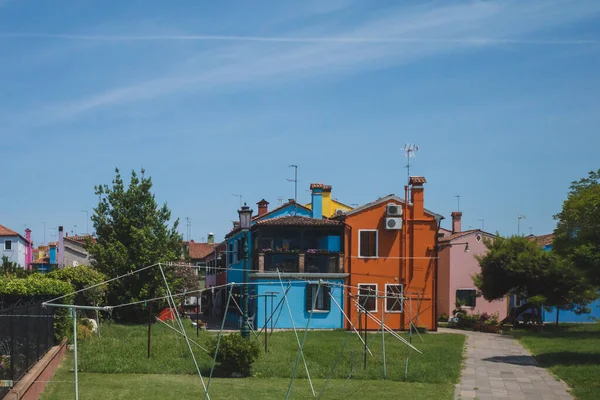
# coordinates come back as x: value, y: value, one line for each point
x: 549, y: 314
x: 292, y: 251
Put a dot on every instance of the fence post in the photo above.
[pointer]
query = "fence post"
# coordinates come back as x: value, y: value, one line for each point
x: 26, y: 337
x: 12, y: 344
x: 37, y: 330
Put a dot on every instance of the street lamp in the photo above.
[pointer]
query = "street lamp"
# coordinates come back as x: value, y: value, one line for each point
x: 245, y: 214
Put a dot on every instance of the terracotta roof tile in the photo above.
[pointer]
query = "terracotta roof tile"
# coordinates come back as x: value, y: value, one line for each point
x: 542, y: 240
x: 81, y: 238
x: 417, y: 180
x: 458, y: 235
x: 326, y: 188
x: 4, y: 231
x: 298, y: 221
x: 200, y: 250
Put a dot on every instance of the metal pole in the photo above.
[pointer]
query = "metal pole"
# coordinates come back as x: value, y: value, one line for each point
x: 197, y: 316
x: 74, y: 316
x: 383, y: 342
x: 149, y: 327
x: 245, y: 327
x: 271, y: 313
x: 365, y: 341
x: 265, y: 328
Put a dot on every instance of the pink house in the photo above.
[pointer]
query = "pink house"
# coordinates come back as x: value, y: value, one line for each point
x: 456, y: 266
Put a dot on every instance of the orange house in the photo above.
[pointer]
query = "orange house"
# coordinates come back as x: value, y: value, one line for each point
x: 391, y: 261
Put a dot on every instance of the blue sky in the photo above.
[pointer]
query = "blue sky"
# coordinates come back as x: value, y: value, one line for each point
x: 217, y: 98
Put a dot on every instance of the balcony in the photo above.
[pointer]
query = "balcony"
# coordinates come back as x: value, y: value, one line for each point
x: 295, y: 262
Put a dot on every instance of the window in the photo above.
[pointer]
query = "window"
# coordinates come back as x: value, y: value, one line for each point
x: 466, y: 297
x: 236, y: 251
x: 230, y: 253
x: 367, y: 243
x: 367, y: 296
x: 321, y: 299
x: 393, y: 299
x: 8, y: 245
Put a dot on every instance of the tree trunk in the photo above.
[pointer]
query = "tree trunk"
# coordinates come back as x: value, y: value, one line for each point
x: 557, y: 311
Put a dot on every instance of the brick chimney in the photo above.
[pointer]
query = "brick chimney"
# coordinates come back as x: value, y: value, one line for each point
x: 211, y: 238
x: 456, y: 221
x: 417, y: 196
x: 61, y: 247
x: 29, y: 250
x: 263, y: 207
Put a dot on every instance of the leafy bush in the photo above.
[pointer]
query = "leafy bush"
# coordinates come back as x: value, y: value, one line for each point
x: 493, y: 320
x: 39, y: 287
x: 81, y: 277
x: 443, y: 318
x: 235, y: 355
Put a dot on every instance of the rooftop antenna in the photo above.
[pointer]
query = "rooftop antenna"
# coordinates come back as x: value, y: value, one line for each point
x: 458, y: 201
x: 410, y: 151
x: 481, y: 220
x: 188, y: 222
x: 530, y: 230
x: 87, y: 218
x: 519, y: 218
x: 295, y: 180
x: 44, y: 232
x: 240, y: 196
x: 280, y: 201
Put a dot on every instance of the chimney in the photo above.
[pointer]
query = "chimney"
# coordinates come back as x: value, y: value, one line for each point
x: 61, y: 247
x: 211, y: 238
x: 417, y: 198
x: 263, y: 207
x: 52, y: 251
x: 236, y: 224
x: 456, y: 223
x: 317, y: 200
x: 29, y: 250
x: 328, y: 210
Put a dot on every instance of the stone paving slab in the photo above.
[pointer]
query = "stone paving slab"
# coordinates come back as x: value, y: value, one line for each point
x: 498, y: 367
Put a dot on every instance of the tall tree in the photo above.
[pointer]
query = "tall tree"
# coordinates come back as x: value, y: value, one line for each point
x: 517, y: 265
x: 133, y: 232
x: 577, y: 234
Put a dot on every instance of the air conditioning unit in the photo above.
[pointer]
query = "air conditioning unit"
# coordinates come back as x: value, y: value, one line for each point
x: 393, y: 210
x: 393, y: 224
x: 339, y: 211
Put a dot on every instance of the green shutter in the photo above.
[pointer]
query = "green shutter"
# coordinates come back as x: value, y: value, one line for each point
x: 309, y: 299
x: 326, y: 298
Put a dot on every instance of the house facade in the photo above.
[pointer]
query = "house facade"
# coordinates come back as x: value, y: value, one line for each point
x: 72, y: 250
x: 390, y: 248
x: 295, y: 257
x: 330, y: 206
x: 457, y: 265
x: 16, y: 247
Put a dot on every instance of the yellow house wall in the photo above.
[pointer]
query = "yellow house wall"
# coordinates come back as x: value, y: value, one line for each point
x: 330, y: 205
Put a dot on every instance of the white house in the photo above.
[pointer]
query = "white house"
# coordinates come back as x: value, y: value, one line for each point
x: 14, y: 246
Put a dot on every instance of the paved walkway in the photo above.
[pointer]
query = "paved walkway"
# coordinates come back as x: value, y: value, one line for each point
x: 498, y: 367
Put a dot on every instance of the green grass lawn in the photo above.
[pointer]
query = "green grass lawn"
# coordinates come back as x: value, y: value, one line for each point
x: 571, y: 352
x: 151, y: 386
x: 115, y: 366
x: 122, y: 349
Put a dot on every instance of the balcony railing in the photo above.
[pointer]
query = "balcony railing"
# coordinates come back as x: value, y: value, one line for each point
x: 291, y: 262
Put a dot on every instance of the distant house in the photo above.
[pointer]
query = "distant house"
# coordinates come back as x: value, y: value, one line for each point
x: 198, y: 252
x: 390, y: 256
x: 549, y: 315
x: 15, y: 247
x: 331, y: 207
x: 72, y: 250
x: 457, y: 265
x: 46, y: 258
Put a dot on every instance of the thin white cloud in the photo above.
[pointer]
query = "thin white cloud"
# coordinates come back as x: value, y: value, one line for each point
x: 395, y: 38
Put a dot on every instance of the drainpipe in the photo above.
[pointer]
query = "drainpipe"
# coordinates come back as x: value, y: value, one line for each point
x: 435, y: 276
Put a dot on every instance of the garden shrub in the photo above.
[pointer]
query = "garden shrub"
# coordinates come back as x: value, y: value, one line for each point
x: 40, y: 288
x: 81, y: 277
x: 443, y: 318
x: 235, y: 356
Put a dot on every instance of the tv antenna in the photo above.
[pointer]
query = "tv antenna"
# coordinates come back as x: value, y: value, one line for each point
x: 458, y: 201
x: 519, y: 218
x: 530, y: 230
x: 410, y: 151
x: 188, y: 223
x: 481, y: 220
x: 295, y: 180
x: 280, y: 201
x: 240, y: 196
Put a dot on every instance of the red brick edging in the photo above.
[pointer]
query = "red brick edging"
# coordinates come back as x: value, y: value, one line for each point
x: 33, y: 383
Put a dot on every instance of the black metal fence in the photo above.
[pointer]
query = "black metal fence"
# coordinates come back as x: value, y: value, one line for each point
x: 26, y: 334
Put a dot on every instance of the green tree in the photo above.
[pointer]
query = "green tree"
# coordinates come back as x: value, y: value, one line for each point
x: 517, y: 265
x: 133, y: 232
x: 577, y: 234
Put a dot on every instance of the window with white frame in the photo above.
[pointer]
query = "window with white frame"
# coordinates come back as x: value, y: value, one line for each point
x: 393, y: 299
x: 367, y: 296
x: 318, y: 295
x: 466, y: 297
x: 8, y: 245
x: 367, y: 243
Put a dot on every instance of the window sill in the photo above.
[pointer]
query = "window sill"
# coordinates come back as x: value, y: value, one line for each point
x: 320, y: 311
x: 368, y: 257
